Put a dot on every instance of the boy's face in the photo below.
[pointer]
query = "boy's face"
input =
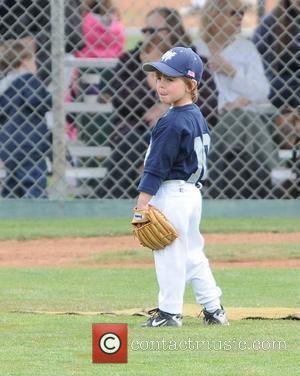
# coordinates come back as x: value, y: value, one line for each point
x: 172, y: 90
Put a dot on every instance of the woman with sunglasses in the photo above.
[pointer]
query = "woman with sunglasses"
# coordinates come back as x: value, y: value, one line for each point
x: 168, y: 22
x: 242, y: 147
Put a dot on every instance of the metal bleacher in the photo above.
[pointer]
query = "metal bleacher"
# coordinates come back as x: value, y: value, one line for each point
x: 80, y: 151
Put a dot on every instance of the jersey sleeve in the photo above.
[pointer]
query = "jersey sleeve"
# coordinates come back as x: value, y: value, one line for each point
x: 163, y: 151
x: 149, y: 183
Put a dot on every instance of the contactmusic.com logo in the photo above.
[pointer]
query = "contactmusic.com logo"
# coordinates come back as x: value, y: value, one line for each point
x: 110, y: 343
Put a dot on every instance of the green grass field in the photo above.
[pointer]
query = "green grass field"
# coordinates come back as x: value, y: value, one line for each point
x: 57, y: 228
x: 46, y: 345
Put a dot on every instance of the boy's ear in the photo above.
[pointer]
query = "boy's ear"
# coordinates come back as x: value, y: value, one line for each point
x: 195, y: 84
x: 192, y: 86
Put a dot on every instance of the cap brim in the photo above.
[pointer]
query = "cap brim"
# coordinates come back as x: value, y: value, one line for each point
x: 163, y: 68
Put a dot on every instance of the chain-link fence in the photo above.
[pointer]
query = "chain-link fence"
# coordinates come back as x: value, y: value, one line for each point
x: 76, y: 109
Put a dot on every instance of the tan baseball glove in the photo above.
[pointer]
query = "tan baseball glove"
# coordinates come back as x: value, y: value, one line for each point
x: 152, y: 228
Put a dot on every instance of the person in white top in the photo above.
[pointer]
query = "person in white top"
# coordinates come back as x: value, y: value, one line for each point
x: 243, y: 148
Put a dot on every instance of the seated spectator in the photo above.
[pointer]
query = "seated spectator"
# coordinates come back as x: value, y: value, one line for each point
x: 29, y: 20
x: 242, y: 149
x: 25, y: 140
x: 102, y: 29
x: 168, y: 22
x: 104, y: 37
x: 136, y: 105
x: 276, y: 40
x: 136, y: 111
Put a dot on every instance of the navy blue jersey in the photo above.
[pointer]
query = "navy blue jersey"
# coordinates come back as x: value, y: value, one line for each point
x: 178, y: 149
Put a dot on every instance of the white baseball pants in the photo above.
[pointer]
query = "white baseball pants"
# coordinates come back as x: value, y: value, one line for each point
x: 183, y: 261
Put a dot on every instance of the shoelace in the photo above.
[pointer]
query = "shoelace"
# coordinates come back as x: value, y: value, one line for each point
x: 154, y: 312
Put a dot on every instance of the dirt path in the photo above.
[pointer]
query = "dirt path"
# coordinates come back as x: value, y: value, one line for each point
x: 70, y: 252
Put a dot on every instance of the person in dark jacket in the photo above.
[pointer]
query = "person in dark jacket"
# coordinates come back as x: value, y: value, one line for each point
x: 27, y: 19
x: 136, y: 108
x: 25, y: 139
x: 136, y: 105
x: 277, y: 38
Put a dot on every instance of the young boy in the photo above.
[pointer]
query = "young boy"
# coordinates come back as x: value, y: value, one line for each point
x: 175, y: 167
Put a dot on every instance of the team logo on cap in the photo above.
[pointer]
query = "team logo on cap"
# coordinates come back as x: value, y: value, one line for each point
x: 168, y: 55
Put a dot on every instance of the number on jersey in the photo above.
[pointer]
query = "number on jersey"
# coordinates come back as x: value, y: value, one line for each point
x: 201, y: 147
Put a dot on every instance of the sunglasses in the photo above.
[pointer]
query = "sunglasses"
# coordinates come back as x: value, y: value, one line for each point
x: 237, y: 13
x: 152, y: 30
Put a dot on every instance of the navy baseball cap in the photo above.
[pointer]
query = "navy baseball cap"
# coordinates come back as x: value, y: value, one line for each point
x: 178, y: 62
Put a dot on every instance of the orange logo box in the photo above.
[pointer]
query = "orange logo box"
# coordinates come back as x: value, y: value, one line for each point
x: 110, y: 343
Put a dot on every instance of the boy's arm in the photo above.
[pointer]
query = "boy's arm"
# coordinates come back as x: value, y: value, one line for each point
x: 164, y: 146
x: 143, y: 200
x: 148, y: 187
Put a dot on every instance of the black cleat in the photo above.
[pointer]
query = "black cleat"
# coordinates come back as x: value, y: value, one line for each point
x: 215, y: 318
x: 160, y: 318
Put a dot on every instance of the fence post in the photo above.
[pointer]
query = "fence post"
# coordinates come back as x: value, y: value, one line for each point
x: 57, y: 43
